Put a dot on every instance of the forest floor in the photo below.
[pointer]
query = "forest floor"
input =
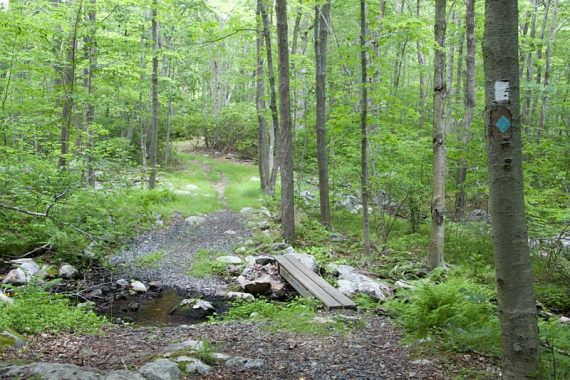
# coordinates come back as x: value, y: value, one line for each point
x: 371, y: 351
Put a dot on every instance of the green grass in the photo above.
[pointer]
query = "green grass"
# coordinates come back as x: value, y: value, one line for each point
x: 205, y: 264
x: 35, y: 311
x: 150, y: 259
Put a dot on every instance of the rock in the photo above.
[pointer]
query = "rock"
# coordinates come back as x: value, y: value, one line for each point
x: 336, y: 237
x: 240, y: 250
x: 323, y: 320
x: 52, y: 371
x: 349, y: 203
x: 47, y: 271
x: 193, y: 308
x: 95, y: 293
x: 239, y: 361
x: 478, y: 215
x: 240, y: 296
x: 230, y: 232
x: 220, y: 357
x: 263, y: 225
x: 261, y: 285
x: 86, y: 305
x: 29, y: 266
x: 350, y: 282
x: 187, y: 345
x: 564, y: 320
x: 195, y: 220
x: 68, y: 272
x: 198, y: 367
x: 246, y: 210
x: 123, y: 375
x: 264, y: 260
x: 10, y: 338
x: 138, y: 286
x: 422, y: 362
x: 122, y: 283
x: 229, y: 259
x: 308, y: 197
x: 401, y: 284
x: 161, y: 369
x: 5, y: 298
x: 307, y: 260
x: 155, y: 285
x: 16, y: 277
x: 276, y: 247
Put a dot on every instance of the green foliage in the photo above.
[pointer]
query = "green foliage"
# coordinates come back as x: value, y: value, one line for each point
x: 151, y: 259
x: 554, y: 296
x: 458, y: 311
x: 205, y: 264
x: 295, y: 316
x: 555, y: 362
x: 35, y: 311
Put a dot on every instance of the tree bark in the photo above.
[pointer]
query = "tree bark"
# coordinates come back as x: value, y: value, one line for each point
x: 89, y: 74
x: 529, y: 67
x: 364, y: 132
x: 286, y: 144
x: 322, y: 21
x: 436, y: 246
x: 153, y: 148
x: 460, y: 200
x: 517, y: 305
x: 547, y: 71
x: 262, y: 142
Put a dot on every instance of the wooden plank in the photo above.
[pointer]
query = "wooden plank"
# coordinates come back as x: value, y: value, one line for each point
x: 322, y: 283
x: 308, y: 283
x: 303, y: 284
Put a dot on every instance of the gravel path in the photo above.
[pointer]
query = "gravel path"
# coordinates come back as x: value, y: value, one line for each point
x: 219, y: 231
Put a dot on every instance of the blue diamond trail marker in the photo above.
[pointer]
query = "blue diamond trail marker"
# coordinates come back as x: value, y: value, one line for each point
x: 503, y: 124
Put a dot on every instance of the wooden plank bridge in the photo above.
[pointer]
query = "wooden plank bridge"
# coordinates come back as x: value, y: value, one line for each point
x: 310, y: 284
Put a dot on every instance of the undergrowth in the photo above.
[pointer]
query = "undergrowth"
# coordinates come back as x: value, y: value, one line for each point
x: 204, y: 264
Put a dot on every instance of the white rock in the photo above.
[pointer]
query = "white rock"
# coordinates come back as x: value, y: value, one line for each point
x: 564, y: 320
x: 138, y: 286
x: 123, y: 375
x: 246, y: 210
x: 122, y: 283
x: 239, y: 361
x: 221, y: 357
x: 195, y: 220
x: 5, y: 298
x: 422, y: 362
x: 161, y: 369
x: 307, y: 260
x: 68, y: 271
x: 240, y: 296
x: 16, y: 277
x: 351, y: 282
x: 27, y: 265
x: 230, y: 232
x: 229, y: 259
x: 198, y: 367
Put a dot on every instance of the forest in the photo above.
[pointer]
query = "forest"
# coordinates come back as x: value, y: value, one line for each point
x: 160, y: 158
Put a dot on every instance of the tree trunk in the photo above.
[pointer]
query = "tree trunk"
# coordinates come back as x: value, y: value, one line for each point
x: 286, y: 144
x: 517, y: 305
x: 274, y: 132
x: 153, y: 149
x: 168, y: 116
x: 262, y: 143
x: 421, y: 63
x: 547, y: 71
x: 364, y: 132
x: 529, y: 67
x: 322, y: 20
x: 89, y: 73
x: 469, y: 109
x: 436, y: 246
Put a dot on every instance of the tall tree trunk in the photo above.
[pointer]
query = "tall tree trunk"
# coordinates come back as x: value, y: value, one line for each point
x: 529, y: 67
x: 168, y: 115
x: 421, y: 63
x: 364, y: 132
x: 322, y: 20
x: 89, y: 74
x: 262, y: 143
x: 153, y: 148
x: 274, y: 132
x: 547, y: 69
x: 68, y: 81
x: 286, y: 143
x: 436, y: 246
x: 517, y: 305
x: 469, y: 109
x: 141, y: 116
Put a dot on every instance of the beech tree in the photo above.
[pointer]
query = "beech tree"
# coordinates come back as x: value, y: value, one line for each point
x: 517, y: 305
x: 153, y: 150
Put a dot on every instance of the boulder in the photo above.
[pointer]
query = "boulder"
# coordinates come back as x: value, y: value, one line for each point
x: 27, y: 265
x: 242, y: 362
x: 16, y: 277
x: 10, y: 338
x: 138, y: 286
x: 240, y: 296
x: 68, y: 272
x: 187, y: 345
x: 198, y: 367
x: 161, y: 369
x: 195, y: 220
x: 351, y: 282
x: 193, y: 308
x: 229, y: 259
x: 564, y: 320
x: 261, y: 285
x: 47, y: 271
x: 122, y: 283
x: 308, y: 260
x: 52, y: 371
x: 123, y: 375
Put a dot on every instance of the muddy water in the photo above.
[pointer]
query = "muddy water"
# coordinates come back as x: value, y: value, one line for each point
x: 154, y: 311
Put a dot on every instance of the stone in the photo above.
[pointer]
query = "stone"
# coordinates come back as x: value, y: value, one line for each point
x: 240, y: 250
x: 123, y: 375
x: 29, y: 266
x: 155, y: 285
x: 239, y: 361
x: 307, y: 196
x: 401, y: 284
x: 230, y: 232
x: 5, y: 298
x: 122, y: 283
x: 86, y: 305
x: 16, y: 277
x: 261, y: 285
x: 220, y: 357
x: 68, y: 272
x: 10, y: 338
x: 187, y: 345
x: 564, y: 320
x: 263, y: 225
x: 193, y: 308
x: 138, y: 286
x: 422, y: 362
x: 478, y: 215
x: 47, y: 271
x: 264, y: 260
x: 52, y: 371
x: 349, y: 203
x: 276, y: 247
x: 195, y: 220
x: 323, y: 320
x: 246, y: 210
x: 351, y: 282
x: 161, y: 369
x: 198, y: 367
x: 240, y: 296
x: 229, y: 259
x: 308, y: 260
x: 96, y: 293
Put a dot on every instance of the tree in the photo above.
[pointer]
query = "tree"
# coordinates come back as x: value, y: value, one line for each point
x: 88, y: 82
x: 517, y: 306
x: 435, y: 250
x: 153, y: 149
x: 364, y: 132
x: 285, y: 141
x: 322, y: 21
x: 262, y: 143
